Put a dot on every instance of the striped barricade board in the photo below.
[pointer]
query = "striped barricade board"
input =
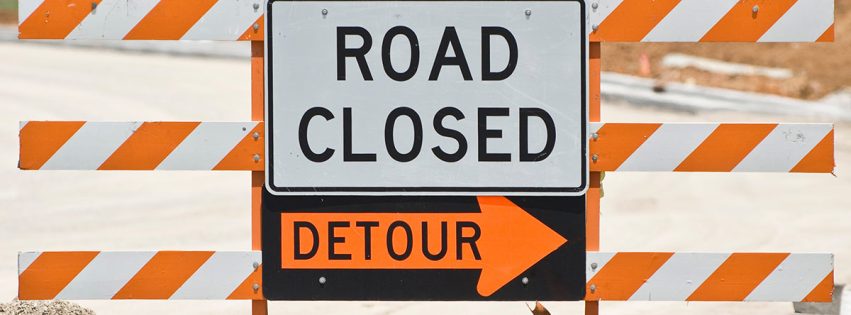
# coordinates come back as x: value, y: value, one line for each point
x: 612, y: 276
x: 611, y: 20
x: 648, y: 147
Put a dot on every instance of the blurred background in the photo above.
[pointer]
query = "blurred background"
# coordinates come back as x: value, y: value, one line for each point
x: 130, y: 81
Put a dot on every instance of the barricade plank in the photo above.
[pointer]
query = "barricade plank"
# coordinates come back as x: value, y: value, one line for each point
x: 611, y: 20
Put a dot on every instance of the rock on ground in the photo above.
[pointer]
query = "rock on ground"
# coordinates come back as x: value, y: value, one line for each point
x: 43, y: 308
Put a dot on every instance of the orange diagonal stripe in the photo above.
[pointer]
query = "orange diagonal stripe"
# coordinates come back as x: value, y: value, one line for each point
x: 624, y: 274
x: 245, y: 290
x: 725, y: 147
x: 616, y: 142
x: 41, y: 139
x: 50, y: 273
x: 819, y: 159
x: 737, y: 276
x: 823, y: 292
x: 55, y: 19
x: 241, y: 157
x: 827, y: 36
x: 741, y: 24
x: 148, y: 146
x: 170, y: 19
x: 162, y: 275
x: 632, y: 20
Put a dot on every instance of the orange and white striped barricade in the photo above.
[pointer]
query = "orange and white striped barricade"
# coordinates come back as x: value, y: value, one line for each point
x: 611, y: 20
x: 153, y: 275
x: 655, y: 147
x: 618, y: 276
x: 647, y: 147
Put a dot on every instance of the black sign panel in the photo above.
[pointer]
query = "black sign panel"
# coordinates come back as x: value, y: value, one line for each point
x: 479, y: 248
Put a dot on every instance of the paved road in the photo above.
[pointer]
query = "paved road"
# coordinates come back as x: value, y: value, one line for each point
x: 204, y: 210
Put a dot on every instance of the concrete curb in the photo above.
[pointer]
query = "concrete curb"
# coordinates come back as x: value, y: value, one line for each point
x: 692, y: 98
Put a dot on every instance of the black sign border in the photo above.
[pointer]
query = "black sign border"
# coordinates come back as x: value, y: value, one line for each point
x: 277, y: 190
x: 559, y: 276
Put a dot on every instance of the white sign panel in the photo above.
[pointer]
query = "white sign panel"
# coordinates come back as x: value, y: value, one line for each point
x: 426, y: 98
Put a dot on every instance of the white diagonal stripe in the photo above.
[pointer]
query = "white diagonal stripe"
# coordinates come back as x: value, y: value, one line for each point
x: 604, y: 8
x: 226, y: 20
x: 601, y: 259
x: 794, y: 278
x: 25, y: 259
x: 805, y: 21
x: 594, y: 127
x: 219, y: 276
x: 783, y: 147
x: 666, y: 148
x: 107, y: 273
x: 112, y: 19
x: 26, y: 8
x: 679, y: 277
x: 91, y: 145
x: 689, y: 21
x: 206, y: 146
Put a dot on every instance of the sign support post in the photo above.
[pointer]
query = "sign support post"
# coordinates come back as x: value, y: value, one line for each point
x: 258, y: 307
x: 592, y: 196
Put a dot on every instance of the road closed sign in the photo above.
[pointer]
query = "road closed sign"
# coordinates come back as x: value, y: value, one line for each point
x: 426, y: 98
x: 425, y: 150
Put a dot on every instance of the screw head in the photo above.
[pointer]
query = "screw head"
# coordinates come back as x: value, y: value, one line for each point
x: 755, y: 9
x: 593, y: 288
x: 528, y: 12
x: 324, y: 11
x: 256, y: 6
x: 257, y: 158
x: 594, y: 27
x: 594, y: 158
x: 322, y: 280
x: 256, y: 27
x: 594, y: 5
x: 256, y: 287
x: 256, y: 136
x: 524, y: 280
x: 593, y: 266
x: 94, y: 5
x: 595, y: 136
x: 255, y: 265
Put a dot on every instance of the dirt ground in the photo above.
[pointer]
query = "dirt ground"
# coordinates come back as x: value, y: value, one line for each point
x: 819, y: 68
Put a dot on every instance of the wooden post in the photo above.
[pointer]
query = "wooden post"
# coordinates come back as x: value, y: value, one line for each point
x: 258, y: 307
x: 592, y: 198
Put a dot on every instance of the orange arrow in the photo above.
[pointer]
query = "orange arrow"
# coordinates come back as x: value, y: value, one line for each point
x: 502, y: 241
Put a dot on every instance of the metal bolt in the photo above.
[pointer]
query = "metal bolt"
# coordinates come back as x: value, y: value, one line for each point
x: 528, y: 12
x: 755, y: 9
x: 594, y: 158
x: 595, y: 136
x: 256, y: 136
x: 593, y: 266
x: 322, y: 280
x: 256, y: 7
x: 324, y: 11
x: 257, y: 158
x: 256, y: 27
x: 594, y: 27
x: 593, y: 288
x: 255, y: 265
x: 594, y: 5
x: 524, y: 280
x: 256, y: 287
x: 94, y: 5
